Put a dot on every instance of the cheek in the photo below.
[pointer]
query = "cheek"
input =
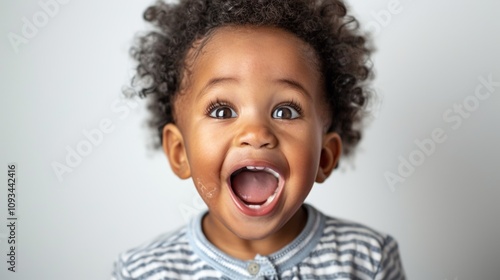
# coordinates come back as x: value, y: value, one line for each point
x: 206, y: 147
x: 308, y: 165
x: 199, y: 142
x: 303, y: 154
x: 206, y: 155
x: 206, y: 190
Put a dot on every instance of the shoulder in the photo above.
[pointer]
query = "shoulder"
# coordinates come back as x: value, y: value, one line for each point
x: 158, y: 256
x: 343, y: 230
x: 368, y: 250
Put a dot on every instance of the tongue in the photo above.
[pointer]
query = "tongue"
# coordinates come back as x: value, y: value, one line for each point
x: 254, y: 187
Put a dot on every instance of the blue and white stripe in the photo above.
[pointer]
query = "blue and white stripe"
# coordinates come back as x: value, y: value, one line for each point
x: 327, y: 248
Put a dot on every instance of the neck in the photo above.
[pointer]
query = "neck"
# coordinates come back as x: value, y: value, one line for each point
x: 244, y: 249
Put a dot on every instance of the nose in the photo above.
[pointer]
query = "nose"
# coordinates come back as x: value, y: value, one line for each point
x: 256, y: 134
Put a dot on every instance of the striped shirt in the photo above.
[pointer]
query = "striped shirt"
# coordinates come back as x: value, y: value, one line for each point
x: 327, y: 248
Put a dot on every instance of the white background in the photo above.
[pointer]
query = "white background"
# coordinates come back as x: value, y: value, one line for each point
x: 68, y: 78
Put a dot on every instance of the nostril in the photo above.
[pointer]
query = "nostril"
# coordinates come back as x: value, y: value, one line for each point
x: 258, y: 143
x: 245, y: 144
x: 265, y: 145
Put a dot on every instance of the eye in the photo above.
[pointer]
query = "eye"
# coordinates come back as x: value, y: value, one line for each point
x: 222, y: 112
x: 286, y: 112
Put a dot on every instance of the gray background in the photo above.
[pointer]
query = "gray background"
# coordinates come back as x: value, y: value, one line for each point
x: 68, y: 78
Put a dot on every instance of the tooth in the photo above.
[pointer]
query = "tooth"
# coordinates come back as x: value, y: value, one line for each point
x: 254, y: 206
x: 270, y: 199
x: 250, y: 167
x: 274, y: 173
x: 259, y: 167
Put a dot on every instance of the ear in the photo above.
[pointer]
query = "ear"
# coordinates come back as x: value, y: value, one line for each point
x: 174, y: 148
x: 330, y: 155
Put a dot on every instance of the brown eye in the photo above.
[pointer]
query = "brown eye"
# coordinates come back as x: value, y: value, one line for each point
x: 285, y: 112
x: 223, y: 113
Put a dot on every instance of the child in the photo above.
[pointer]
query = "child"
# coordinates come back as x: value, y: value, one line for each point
x: 255, y: 101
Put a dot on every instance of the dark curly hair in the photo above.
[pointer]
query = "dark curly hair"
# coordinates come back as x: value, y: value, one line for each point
x: 324, y: 24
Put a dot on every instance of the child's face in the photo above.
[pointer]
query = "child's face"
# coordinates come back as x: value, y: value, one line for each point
x: 251, y: 130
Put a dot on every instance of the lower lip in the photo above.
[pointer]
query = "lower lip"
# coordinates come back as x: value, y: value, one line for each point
x: 261, y: 210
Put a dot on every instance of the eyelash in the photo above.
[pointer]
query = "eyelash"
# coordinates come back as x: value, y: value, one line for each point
x: 217, y: 104
x: 293, y: 104
x: 221, y: 103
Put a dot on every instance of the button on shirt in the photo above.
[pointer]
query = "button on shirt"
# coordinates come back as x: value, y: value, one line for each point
x: 327, y: 248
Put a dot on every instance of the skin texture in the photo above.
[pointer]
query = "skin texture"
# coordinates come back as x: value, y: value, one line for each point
x: 250, y: 75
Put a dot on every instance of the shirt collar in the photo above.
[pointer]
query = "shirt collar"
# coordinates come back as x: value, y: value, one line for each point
x: 270, y: 265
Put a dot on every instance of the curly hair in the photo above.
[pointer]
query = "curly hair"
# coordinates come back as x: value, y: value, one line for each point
x: 323, y: 24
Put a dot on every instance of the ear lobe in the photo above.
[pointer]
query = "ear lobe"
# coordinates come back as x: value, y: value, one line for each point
x: 174, y: 148
x: 330, y: 155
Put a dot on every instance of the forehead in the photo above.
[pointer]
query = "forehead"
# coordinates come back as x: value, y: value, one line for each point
x: 248, y: 45
x: 248, y: 37
x: 250, y: 55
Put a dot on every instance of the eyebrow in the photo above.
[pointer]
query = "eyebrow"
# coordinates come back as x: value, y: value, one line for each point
x: 295, y: 85
x: 216, y: 81
x: 290, y: 83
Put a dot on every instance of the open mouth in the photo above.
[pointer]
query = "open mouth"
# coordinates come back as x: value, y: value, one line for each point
x: 255, y: 186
